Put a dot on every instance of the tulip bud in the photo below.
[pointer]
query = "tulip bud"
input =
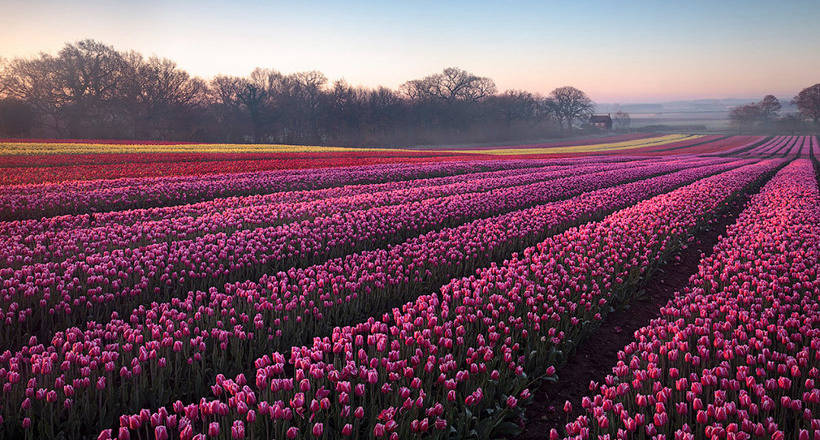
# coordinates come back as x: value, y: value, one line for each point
x: 318, y: 429
x: 160, y: 433
x: 213, y: 429
x: 512, y: 402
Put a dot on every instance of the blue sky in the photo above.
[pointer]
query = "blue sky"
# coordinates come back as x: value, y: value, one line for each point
x: 623, y: 51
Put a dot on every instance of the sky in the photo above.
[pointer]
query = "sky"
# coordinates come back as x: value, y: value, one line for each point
x: 616, y: 51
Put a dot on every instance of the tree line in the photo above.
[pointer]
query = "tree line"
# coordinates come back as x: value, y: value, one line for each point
x: 764, y: 116
x: 91, y: 90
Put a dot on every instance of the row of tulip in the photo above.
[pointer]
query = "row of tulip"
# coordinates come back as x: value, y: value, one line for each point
x: 589, y: 148
x: 58, y: 146
x: 718, y: 146
x: 51, y: 242
x: 75, y: 290
x: 39, y: 147
x: 41, y: 174
x: 740, y: 147
x: 447, y: 358
x: 70, y: 159
x: 744, y: 149
x: 53, y: 168
x: 677, y: 146
x: 221, y: 334
x: 54, y: 245
x: 801, y: 144
x: 21, y: 229
x: 808, y: 145
x: 561, y: 143
x: 771, y: 145
x: 34, y: 201
x: 784, y: 146
x: 792, y: 147
x: 736, y: 354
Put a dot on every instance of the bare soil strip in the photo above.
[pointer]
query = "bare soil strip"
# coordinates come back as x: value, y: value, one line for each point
x: 594, y: 358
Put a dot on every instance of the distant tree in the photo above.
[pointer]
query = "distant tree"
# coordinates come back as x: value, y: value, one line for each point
x: 91, y: 90
x: 746, y: 116
x: 808, y: 102
x: 419, y: 89
x: 570, y: 104
x: 34, y: 82
x: 769, y: 107
x: 452, y: 84
x: 253, y: 93
x: 3, y: 66
x: 345, y: 112
x: 89, y: 74
x: 791, y: 123
x: 16, y: 118
x: 386, y: 110
x: 515, y: 106
x: 621, y: 120
x: 165, y: 94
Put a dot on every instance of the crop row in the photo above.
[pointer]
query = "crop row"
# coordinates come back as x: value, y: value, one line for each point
x: 736, y: 353
x: 716, y: 147
x: 56, y: 244
x: 783, y: 146
x: 91, y: 287
x: 447, y: 358
x: 741, y: 146
x: 116, y: 166
x: 20, y: 229
x: 212, y: 331
x: 42, y: 174
x: 34, y: 201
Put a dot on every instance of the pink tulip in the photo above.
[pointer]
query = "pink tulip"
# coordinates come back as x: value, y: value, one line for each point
x: 213, y: 429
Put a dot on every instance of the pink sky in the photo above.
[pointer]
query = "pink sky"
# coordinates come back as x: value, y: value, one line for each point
x: 636, y: 52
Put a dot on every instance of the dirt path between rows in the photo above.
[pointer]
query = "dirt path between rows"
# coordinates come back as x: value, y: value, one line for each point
x: 594, y: 358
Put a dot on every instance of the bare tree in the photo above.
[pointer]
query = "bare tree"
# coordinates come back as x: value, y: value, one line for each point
x: 808, y: 102
x: 32, y: 81
x: 769, y: 107
x: 746, y: 116
x: 226, y: 106
x: 621, y: 120
x: 165, y: 93
x: 452, y: 84
x: 253, y: 94
x: 423, y: 89
x: 791, y: 123
x: 514, y: 106
x: 570, y: 104
x: 89, y: 89
x: 455, y: 83
x: 16, y: 118
x: 89, y: 69
x: 3, y: 66
x: 88, y: 74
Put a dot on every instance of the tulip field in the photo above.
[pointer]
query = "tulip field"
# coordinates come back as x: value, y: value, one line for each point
x: 208, y: 291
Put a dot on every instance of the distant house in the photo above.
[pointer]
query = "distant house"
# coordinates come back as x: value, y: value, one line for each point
x: 601, y: 121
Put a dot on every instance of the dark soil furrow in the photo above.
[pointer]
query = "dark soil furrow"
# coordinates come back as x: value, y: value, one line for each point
x: 594, y: 357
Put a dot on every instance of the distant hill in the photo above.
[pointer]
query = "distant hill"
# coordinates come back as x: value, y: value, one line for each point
x: 712, y: 114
